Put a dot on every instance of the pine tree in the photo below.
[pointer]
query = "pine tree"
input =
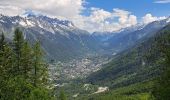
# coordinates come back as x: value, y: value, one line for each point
x: 2, y: 41
x: 26, y: 59
x: 18, y: 43
x: 40, y: 68
x: 6, y: 57
x: 2, y: 44
x: 23, y: 73
x: 6, y: 70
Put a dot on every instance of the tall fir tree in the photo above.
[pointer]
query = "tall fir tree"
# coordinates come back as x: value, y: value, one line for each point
x: 26, y: 60
x: 2, y: 41
x: 23, y: 72
x: 6, y: 71
x: 2, y: 44
x: 40, y: 68
x: 6, y: 57
x: 18, y: 44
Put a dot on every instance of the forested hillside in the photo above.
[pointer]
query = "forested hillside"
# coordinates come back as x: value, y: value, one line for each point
x: 23, y: 71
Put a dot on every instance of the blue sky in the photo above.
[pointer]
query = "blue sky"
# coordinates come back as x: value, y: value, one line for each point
x: 137, y: 7
x: 93, y: 15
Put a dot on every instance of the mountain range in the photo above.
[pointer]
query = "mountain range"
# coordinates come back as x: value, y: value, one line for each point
x: 62, y: 40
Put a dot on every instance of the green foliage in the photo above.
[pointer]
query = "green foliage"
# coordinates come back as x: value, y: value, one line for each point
x: 18, y: 44
x: 26, y: 59
x: 23, y: 72
x: 40, y: 94
x: 39, y: 67
x: 16, y: 88
x: 2, y: 41
x: 161, y: 90
x: 139, y: 91
x: 62, y: 95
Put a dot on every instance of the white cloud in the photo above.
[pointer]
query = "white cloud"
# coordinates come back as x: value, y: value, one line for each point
x: 162, y: 1
x: 63, y: 8
x: 132, y: 20
x: 101, y: 20
x: 149, y: 18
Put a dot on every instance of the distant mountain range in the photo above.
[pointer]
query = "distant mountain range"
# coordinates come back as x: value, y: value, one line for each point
x: 128, y: 37
x: 62, y: 40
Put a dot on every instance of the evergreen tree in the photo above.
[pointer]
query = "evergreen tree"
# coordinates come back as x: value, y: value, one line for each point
x: 23, y: 72
x: 26, y: 59
x: 6, y: 57
x: 40, y: 68
x: 18, y: 43
x: 2, y: 42
x: 6, y: 70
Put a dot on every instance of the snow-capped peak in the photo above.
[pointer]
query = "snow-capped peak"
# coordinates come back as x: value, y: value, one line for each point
x: 26, y: 23
x: 133, y: 28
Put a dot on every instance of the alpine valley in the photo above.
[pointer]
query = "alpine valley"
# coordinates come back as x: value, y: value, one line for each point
x: 98, y: 65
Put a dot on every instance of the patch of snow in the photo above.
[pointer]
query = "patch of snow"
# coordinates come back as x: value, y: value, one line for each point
x: 51, y: 30
x: 101, y: 89
x: 46, y: 27
x: 22, y: 23
x: 66, y: 27
x: 70, y: 25
x: 39, y: 24
x: 2, y: 21
x: 29, y: 23
x: 15, y: 22
x: 26, y: 23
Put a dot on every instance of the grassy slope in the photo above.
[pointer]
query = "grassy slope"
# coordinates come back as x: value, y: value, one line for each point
x: 138, y: 91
